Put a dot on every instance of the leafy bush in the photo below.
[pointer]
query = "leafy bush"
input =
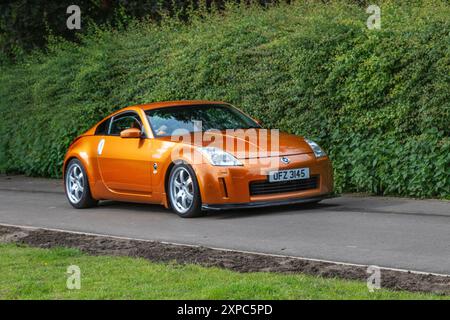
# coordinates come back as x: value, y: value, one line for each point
x: 26, y: 24
x: 377, y: 100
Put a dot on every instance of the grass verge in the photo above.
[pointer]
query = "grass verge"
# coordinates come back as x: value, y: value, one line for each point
x: 32, y: 273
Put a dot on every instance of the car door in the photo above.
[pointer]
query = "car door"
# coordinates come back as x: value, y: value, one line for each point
x: 124, y: 163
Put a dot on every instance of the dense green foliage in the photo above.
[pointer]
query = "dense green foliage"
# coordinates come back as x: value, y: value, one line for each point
x: 26, y: 24
x: 377, y: 100
x: 32, y: 273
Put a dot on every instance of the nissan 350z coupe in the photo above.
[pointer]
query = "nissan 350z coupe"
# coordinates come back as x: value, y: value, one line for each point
x: 193, y: 156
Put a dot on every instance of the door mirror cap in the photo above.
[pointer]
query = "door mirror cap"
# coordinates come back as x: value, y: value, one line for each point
x: 131, y: 133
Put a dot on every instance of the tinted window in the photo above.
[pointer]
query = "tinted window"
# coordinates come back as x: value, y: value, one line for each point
x: 102, y: 128
x: 125, y: 121
x: 165, y: 121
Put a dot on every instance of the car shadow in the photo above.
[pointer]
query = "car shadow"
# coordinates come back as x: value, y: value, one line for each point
x: 302, y: 208
x: 137, y: 207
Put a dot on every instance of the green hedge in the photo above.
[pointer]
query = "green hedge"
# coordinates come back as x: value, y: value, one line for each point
x: 377, y: 100
x: 26, y: 24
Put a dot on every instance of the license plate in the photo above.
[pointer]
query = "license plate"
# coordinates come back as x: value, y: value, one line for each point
x: 287, y: 175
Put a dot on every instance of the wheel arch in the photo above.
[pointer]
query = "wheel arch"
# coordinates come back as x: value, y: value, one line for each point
x: 83, y: 150
x: 167, y: 175
x: 194, y: 209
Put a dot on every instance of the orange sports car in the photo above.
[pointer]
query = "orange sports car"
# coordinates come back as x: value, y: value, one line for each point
x: 193, y: 156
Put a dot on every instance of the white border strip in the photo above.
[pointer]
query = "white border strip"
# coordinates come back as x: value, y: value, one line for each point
x: 224, y: 249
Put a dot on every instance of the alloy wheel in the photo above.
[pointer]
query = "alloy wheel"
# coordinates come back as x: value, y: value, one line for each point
x: 182, y: 190
x: 75, y: 183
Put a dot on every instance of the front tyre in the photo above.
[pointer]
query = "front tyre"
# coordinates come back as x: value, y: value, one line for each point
x: 184, y: 193
x: 77, y: 186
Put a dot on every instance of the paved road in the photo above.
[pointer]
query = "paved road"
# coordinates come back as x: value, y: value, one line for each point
x: 389, y: 232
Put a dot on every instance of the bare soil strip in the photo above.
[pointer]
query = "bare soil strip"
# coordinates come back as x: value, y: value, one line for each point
x: 236, y: 261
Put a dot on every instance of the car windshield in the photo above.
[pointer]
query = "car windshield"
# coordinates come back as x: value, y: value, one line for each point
x: 166, y: 121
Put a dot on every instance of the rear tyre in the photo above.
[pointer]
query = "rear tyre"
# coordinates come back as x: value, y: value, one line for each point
x: 77, y: 188
x: 183, y: 192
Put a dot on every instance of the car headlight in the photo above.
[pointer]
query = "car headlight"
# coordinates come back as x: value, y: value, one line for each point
x: 318, y: 152
x: 218, y: 157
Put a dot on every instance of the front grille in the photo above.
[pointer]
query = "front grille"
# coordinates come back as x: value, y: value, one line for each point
x: 265, y: 187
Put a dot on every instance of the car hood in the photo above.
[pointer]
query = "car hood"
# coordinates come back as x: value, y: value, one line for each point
x: 254, y: 144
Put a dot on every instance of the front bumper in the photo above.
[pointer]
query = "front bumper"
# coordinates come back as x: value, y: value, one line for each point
x: 262, y: 204
x: 230, y: 186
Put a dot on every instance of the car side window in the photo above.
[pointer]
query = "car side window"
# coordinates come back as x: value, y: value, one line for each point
x: 102, y: 128
x: 124, y: 122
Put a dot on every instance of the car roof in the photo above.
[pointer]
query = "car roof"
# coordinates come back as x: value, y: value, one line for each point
x: 155, y: 105
x: 165, y: 104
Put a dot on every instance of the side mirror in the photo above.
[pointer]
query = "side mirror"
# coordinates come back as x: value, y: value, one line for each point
x: 131, y: 133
